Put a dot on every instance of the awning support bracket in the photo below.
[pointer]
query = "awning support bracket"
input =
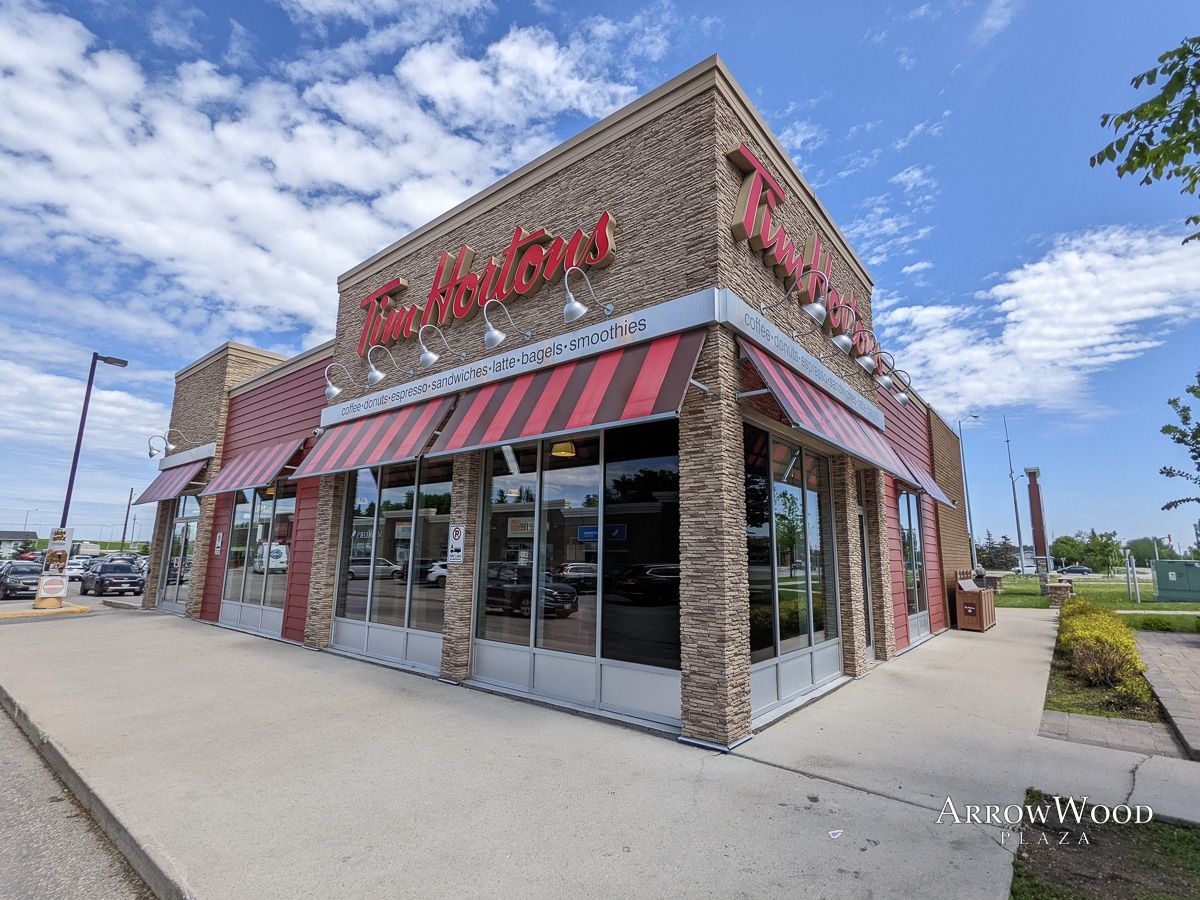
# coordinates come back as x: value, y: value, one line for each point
x: 744, y: 394
x: 704, y: 387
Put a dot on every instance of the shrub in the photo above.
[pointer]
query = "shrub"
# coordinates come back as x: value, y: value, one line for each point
x: 1134, y: 691
x: 1157, y: 623
x: 1100, y: 648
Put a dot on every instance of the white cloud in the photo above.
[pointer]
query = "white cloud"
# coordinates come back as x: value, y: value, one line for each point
x: 882, y: 232
x: 863, y: 128
x: 924, y: 11
x: 170, y: 25
x: 917, y: 267
x: 875, y: 37
x: 997, y: 16
x: 915, y: 178
x: 905, y: 58
x: 1037, y: 337
x: 857, y: 161
x: 240, y: 51
x: 928, y: 127
x: 803, y: 135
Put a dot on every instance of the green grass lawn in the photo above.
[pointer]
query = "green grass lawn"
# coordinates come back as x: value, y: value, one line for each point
x: 1022, y: 591
x: 1187, y: 624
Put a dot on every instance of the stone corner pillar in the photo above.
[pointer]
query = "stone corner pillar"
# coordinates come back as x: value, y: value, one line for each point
x: 460, y: 578
x: 875, y: 507
x: 714, y: 593
x: 163, y: 522
x: 851, y: 590
x: 327, y: 540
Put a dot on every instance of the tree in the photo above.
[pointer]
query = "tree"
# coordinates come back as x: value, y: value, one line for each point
x: 1187, y: 435
x: 1067, y: 550
x: 1006, y: 553
x: 25, y: 547
x: 1143, y: 550
x: 1160, y: 137
x: 1101, y: 550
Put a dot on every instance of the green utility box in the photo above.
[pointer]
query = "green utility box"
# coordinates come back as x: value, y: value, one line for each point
x: 1178, y: 580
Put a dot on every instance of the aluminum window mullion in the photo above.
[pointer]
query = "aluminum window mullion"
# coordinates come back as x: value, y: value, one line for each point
x: 241, y: 597
x: 262, y: 595
x: 377, y: 474
x: 600, y: 518
x: 414, y: 541
x: 808, y: 591
x: 535, y: 589
x: 774, y: 546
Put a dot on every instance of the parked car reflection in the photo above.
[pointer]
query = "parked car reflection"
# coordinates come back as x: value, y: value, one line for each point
x: 648, y: 583
x: 509, y: 590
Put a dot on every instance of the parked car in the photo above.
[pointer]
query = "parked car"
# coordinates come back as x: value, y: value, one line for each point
x: 649, y: 583
x: 33, y: 556
x: 437, y: 573
x: 20, y: 578
x: 1026, y: 569
x: 509, y: 590
x: 580, y: 575
x: 114, y: 577
x: 1075, y: 570
x: 75, y: 570
x: 360, y: 567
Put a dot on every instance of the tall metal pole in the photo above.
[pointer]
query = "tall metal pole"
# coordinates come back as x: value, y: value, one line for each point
x: 87, y: 398
x: 962, y: 455
x: 126, y: 525
x: 1012, y: 476
x: 25, y: 527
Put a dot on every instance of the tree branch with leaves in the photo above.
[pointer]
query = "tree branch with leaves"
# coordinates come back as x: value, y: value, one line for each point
x: 1187, y: 435
x: 1161, y: 137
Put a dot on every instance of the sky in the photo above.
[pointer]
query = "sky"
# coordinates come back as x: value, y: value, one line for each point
x: 175, y: 175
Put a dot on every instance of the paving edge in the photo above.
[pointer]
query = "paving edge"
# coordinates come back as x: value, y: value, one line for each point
x: 142, y: 861
x: 1192, y: 751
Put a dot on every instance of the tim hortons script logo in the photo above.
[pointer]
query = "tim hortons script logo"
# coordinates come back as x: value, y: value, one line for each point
x: 531, y: 260
x: 760, y: 195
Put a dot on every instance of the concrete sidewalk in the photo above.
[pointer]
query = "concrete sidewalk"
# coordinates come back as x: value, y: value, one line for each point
x: 243, y: 767
x: 1173, y: 670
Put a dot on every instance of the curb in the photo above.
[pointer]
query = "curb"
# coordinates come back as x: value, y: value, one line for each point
x: 121, y: 604
x: 1189, y: 748
x: 143, y: 862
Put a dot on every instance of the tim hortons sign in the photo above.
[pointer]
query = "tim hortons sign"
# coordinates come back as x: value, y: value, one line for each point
x: 791, y: 264
x: 531, y: 259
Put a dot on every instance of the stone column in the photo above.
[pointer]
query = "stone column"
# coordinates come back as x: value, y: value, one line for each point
x: 158, y: 546
x: 875, y: 506
x: 202, y: 553
x: 851, y: 590
x: 460, y: 578
x: 714, y: 615
x: 327, y: 541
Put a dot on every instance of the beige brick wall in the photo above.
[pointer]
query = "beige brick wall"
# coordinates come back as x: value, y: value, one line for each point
x: 875, y: 508
x: 460, y: 580
x: 952, y: 523
x: 848, y: 544
x: 327, y: 539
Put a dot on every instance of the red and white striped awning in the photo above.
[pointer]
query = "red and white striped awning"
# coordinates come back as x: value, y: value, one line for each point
x: 630, y: 384
x: 170, y: 483
x: 389, y: 437
x: 925, y: 479
x: 253, y: 469
x: 815, y: 412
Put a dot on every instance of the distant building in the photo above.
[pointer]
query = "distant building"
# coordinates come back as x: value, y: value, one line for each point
x: 10, y: 540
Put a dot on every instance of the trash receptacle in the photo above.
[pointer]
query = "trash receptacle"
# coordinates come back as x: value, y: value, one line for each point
x: 975, y: 606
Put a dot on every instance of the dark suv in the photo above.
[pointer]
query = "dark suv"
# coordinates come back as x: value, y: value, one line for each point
x: 20, y: 578
x: 509, y: 590
x: 114, y: 577
x: 649, y: 583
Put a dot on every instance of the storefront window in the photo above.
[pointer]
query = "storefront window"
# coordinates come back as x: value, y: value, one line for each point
x: 239, y: 534
x: 506, y: 570
x: 790, y: 548
x: 914, y: 562
x: 393, y: 543
x: 354, y: 563
x: 641, y: 545
x: 567, y: 551
x: 432, y: 539
x: 259, y: 545
x: 278, y: 554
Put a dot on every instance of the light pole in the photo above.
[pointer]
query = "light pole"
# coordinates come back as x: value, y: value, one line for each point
x: 1012, y: 476
x: 126, y: 525
x: 962, y: 455
x: 25, y: 527
x: 87, y: 398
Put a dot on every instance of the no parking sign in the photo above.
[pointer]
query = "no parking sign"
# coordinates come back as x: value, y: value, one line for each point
x: 454, y: 549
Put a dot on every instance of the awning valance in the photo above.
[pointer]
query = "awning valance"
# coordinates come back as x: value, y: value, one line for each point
x: 253, y: 469
x: 815, y: 412
x: 924, y: 479
x: 380, y: 440
x: 639, y: 382
x: 170, y: 483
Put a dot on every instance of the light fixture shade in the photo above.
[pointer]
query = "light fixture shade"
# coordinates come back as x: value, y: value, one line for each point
x: 902, y: 398
x: 170, y: 447
x: 153, y: 452
x: 843, y: 342
x: 817, y: 310
x: 563, y: 448
x: 867, y: 361
x: 493, y: 337
x: 884, y: 381
x: 331, y: 390
x: 573, y: 311
x: 374, y: 376
x: 428, y: 358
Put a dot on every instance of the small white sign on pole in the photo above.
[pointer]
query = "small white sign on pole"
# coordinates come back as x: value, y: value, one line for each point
x: 454, y: 548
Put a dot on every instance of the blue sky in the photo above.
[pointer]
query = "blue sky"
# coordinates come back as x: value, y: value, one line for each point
x: 176, y: 175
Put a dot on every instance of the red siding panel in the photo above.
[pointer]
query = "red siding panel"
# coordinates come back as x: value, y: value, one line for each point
x: 289, y: 407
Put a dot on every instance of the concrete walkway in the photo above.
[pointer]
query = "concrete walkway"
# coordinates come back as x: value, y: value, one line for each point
x: 1151, y: 738
x: 1173, y: 670
x: 242, y: 767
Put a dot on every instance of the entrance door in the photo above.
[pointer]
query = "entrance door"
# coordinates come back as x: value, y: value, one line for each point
x: 175, y: 578
x: 914, y: 565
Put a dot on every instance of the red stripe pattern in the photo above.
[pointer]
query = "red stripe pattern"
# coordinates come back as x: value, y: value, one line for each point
x: 380, y: 440
x: 254, y: 469
x: 925, y: 479
x: 814, y: 411
x: 170, y: 483
x: 624, y: 385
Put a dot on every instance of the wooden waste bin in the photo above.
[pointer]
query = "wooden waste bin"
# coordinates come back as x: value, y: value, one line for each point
x: 976, y: 606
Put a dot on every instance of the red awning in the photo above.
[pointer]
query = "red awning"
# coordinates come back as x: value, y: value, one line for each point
x: 924, y: 479
x: 639, y: 382
x: 814, y: 411
x: 170, y: 483
x: 389, y: 437
x: 254, y: 469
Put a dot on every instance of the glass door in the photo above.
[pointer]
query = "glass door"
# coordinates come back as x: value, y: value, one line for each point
x: 174, y: 580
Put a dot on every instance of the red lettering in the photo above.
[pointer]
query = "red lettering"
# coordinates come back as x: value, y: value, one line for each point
x: 374, y: 303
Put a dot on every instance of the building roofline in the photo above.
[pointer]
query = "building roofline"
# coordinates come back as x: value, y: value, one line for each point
x: 232, y: 348
x: 283, y: 369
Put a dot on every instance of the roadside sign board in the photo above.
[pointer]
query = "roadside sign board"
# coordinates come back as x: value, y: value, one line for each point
x: 52, y: 584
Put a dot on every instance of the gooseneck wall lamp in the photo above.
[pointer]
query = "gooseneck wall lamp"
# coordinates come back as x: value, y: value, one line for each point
x: 493, y: 337
x: 573, y: 310
x: 331, y: 389
x: 429, y: 357
x: 165, y: 437
x: 375, y: 375
x: 816, y: 307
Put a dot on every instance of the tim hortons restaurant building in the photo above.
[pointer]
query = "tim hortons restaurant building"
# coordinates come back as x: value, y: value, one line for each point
x: 613, y: 434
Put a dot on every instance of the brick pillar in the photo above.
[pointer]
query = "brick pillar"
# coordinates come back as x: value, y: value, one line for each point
x: 851, y: 590
x: 714, y: 615
x: 875, y: 506
x: 158, y: 546
x: 460, y: 579
x: 201, y: 554
x: 327, y: 540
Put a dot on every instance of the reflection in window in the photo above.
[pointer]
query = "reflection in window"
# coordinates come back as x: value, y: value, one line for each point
x: 507, y: 563
x: 239, y: 534
x: 354, y: 563
x: 433, y: 538
x: 641, y: 545
x: 791, y: 564
x: 278, y: 554
x: 822, y: 572
x: 758, y: 545
x: 393, y: 540
x: 914, y: 563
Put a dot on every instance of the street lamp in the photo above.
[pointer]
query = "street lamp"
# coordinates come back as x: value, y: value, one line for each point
x: 25, y: 527
x: 87, y: 398
x: 962, y: 455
